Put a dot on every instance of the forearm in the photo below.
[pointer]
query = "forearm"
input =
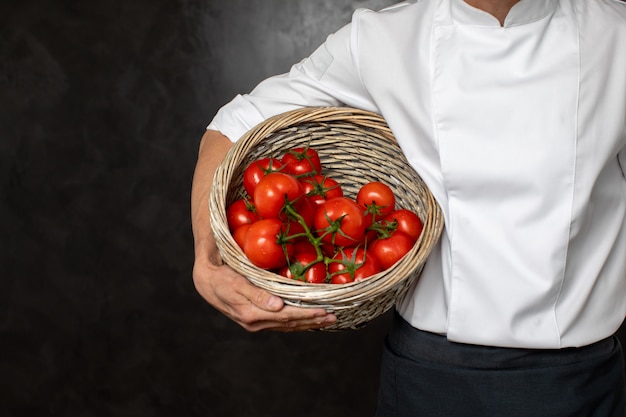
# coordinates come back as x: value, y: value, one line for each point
x: 213, y: 148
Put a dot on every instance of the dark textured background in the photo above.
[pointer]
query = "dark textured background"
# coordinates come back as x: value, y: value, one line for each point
x: 102, y: 105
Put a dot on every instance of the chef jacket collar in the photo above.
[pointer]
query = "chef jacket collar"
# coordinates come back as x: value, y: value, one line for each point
x: 523, y: 12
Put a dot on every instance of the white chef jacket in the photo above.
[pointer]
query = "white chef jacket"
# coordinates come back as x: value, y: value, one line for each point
x: 519, y: 132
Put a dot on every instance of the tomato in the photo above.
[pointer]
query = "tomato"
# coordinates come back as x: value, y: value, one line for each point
x: 306, y: 209
x: 377, y: 197
x: 257, y: 170
x: 303, y: 246
x: 240, y: 234
x: 305, y: 267
x: 302, y: 161
x: 321, y: 188
x: 241, y: 212
x: 263, y: 245
x: 352, y: 264
x: 390, y: 250
x: 370, y: 236
x: 273, y: 191
x: 406, y: 221
x: 329, y: 249
x: 340, y: 221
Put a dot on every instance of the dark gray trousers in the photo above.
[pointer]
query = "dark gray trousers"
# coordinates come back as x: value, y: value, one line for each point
x: 424, y: 375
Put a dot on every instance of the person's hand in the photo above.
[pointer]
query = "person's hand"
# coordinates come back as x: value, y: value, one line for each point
x: 250, y: 306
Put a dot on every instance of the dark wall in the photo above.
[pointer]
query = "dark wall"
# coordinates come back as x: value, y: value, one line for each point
x: 102, y: 105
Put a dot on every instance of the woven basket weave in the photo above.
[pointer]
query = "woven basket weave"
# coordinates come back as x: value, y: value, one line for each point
x: 355, y: 147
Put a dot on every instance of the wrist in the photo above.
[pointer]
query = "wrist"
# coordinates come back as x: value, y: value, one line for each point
x: 206, y: 252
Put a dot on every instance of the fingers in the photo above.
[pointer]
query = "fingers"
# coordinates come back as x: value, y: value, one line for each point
x: 260, y: 298
x: 252, y: 307
x: 268, y: 312
x: 288, y: 319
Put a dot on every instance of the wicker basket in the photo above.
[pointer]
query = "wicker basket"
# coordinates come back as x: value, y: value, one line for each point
x: 355, y: 147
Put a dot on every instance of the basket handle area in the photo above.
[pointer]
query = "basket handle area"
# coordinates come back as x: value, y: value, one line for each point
x: 363, y: 118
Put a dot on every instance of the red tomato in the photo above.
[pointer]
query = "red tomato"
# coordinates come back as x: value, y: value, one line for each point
x: 377, y: 197
x: 370, y: 236
x: 352, y: 264
x: 306, y: 209
x: 368, y: 220
x: 257, y: 170
x: 321, y: 188
x: 303, y: 246
x: 272, y: 192
x: 302, y: 161
x: 340, y: 221
x: 262, y: 244
x: 390, y: 250
x: 305, y: 267
x: 240, y: 234
x: 406, y: 221
x: 241, y: 212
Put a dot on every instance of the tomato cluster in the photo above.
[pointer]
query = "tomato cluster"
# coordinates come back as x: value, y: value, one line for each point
x: 296, y: 221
